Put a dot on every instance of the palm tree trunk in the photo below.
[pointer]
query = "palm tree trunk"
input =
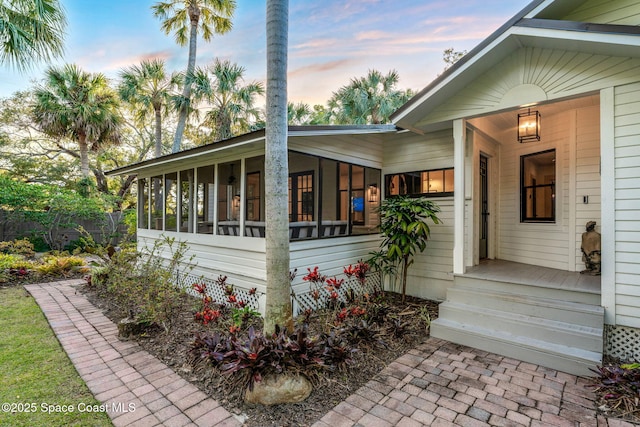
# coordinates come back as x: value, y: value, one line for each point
x: 278, y: 305
x: 194, y: 13
x: 158, y: 113
x: 84, y: 156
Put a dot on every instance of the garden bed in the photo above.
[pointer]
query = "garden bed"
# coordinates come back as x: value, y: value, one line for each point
x: 330, y: 387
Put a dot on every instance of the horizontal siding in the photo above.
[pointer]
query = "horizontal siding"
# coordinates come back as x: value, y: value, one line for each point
x: 365, y: 150
x: 621, y: 12
x: 329, y: 255
x: 587, y: 175
x: 418, y: 152
x: 240, y: 258
x: 627, y: 205
x: 536, y: 243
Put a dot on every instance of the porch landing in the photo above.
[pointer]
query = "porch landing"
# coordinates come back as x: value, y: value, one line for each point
x: 549, y: 317
x: 533, y: 275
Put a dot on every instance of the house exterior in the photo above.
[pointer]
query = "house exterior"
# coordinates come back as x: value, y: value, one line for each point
x: 527, y: 202
x: 507, y: 259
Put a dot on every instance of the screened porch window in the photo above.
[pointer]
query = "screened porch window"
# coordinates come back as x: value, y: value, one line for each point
x: 538, y: 187
x: 301, y: 196
x: 327, y: 198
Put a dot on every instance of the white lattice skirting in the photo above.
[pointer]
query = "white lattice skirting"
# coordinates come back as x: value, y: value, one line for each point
x: 622, y: 342
x: 302, y: 297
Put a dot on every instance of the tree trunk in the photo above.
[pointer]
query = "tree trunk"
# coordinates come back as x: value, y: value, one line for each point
x: 194, y: 13
x: 158, y: 112
x: 278, y: 306
x: 84, y: 155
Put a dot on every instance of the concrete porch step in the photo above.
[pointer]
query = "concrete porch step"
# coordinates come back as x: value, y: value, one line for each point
x: 587, y: 315
x: 508, y: 286
x: 560, y: 357
x: 539, y: 328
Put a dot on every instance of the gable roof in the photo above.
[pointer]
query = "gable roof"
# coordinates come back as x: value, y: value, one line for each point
x: 537, y: 25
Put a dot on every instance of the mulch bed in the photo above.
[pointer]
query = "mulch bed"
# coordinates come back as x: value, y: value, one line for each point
x: 330, y: 388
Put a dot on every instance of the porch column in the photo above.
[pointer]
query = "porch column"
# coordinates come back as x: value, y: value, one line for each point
x: 608, y: 209
x: 459, y: 138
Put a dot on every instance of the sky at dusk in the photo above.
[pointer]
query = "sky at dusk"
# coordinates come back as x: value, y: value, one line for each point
x: 330, y: 41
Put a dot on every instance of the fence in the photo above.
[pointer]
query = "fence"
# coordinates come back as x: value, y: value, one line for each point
x: 110, y: 229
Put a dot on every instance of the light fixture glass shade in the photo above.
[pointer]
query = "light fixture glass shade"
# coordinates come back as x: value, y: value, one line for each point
x: 529, y: 126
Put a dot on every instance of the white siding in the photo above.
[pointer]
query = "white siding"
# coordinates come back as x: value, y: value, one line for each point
x: 587, y: 170
x: 330, y: 255
x: 622, y: 12
x: 431, y: 272
x: 574, y: 134
x: 627, y: 204
x: 368, y: 148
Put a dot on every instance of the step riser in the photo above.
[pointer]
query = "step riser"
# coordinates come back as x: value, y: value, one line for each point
x: 527, y: 305
x: 560, y: 362
x: 536, y: 291
x: 588, y: 338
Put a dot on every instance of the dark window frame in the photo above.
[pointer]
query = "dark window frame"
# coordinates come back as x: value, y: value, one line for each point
x: 523, y: 192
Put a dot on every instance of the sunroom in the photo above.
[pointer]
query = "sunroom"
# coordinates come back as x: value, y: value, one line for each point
x: 213, y: 198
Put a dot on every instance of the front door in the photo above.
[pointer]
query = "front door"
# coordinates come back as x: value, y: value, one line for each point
x: 484, y: 207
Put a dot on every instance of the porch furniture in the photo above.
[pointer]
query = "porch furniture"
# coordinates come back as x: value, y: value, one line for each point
x: 254, y: 228
x: 229, y: 228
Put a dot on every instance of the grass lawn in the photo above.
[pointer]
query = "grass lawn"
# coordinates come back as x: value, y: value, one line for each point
x: 34, y: 369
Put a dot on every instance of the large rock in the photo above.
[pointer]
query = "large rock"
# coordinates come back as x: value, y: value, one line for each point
x: 276, y: 389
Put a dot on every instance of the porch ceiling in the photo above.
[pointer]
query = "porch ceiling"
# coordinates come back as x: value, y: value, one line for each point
x: 508, y: 119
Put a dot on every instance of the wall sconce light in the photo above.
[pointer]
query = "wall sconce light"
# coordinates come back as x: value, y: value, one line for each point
x: 529, y: 126
x: 236, y: 201
x: 373, y: 193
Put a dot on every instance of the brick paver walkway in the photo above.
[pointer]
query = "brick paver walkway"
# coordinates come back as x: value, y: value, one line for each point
x: 436, y: 384
x: 444, y: 384
x: 120, y: 374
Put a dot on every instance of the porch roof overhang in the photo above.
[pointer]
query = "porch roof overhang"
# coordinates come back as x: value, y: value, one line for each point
x: 524, y: 30
x: 314, y: 135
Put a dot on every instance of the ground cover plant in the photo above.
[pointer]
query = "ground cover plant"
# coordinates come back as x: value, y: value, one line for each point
x: 20, y: 264
x: 617, y: 387
x: 35, y: 368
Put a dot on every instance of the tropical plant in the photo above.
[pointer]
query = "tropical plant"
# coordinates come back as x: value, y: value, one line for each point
x: 31, y: 30
x: 367, y: 100
x: 187, y: 18
x: 618, y: 388
x: 405, y: 231
x: 279, y: 310
x: 80, y: 106
x: 149, y: 88
x: 231, y: 105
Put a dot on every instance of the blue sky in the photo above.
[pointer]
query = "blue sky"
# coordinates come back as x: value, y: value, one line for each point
x: 330, y: 41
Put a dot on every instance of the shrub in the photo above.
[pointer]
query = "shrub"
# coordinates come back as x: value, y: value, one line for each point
x: 60, y: 265
x: 257, y: 355
x: 19, y: 247
x: 144, y: 283
x: 10, y: 261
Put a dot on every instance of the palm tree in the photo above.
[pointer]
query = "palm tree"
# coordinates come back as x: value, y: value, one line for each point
x: 31, y: 31
x: 149, y: 89
x: 80, y: 106
x: 368, y: 100
x: 278, y: 305
x: 233, y: 109
x: 188, y: 17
